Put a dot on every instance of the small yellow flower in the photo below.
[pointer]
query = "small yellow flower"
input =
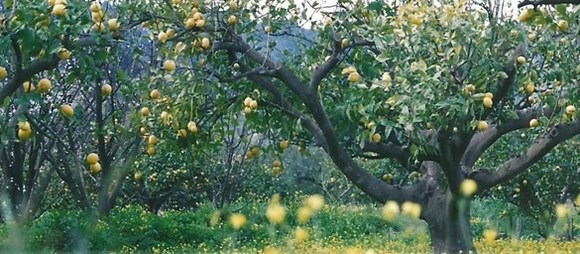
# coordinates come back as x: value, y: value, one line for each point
x: 390, y: 210
x: 315, y: 202
x: 468, y: 187
x: 489, y: 235
x: 303, y: 214
x: 561, y: 211
x: 300, y: 235
x: 238, y: 220
x: 411, y: 209
x: 275, y: 213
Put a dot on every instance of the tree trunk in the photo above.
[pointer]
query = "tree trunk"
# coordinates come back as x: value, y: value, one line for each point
x: 449, y: 225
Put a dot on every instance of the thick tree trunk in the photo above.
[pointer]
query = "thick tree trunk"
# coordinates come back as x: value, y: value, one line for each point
x: 449, y: 225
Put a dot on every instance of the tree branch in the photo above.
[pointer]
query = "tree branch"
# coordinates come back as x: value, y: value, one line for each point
x: 534, y: 153
x: 483, y: 140
x: 546, y: 2
x: 322, y: 70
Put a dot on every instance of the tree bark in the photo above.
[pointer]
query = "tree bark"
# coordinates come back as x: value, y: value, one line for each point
x: 449, y: 226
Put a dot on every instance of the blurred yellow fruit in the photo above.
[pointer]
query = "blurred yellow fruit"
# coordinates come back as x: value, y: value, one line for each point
x: 353, y: 77
x: 24, y: 134
x: 521, y: 60
x: 59, y: 10
x: 275, y: 213
x: 205, y: 43
x: 570, y: 109
x: 390, y: 210
x: 468, y: 187
x: 192, y: 126
x: 284, y: 144
x: 301, y: 235
x: 237, y: 220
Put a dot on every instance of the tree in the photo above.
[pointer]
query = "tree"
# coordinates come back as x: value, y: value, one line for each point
x: 431, y: 88
x: 415, y: 87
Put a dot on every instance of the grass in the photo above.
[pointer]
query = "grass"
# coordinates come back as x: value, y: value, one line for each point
x: 334, y: 229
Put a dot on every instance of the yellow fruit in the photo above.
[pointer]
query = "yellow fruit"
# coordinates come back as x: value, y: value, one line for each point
x: 98, y: 27
x: 200, y: 23
x: 154, y: 94
x: 489, y: 235
x: 170, y: 32
x: 44, y: 85
x: 106, y: 90
x: 137, y: 176
x: 50, y: 2
x: 205, y: 43
x: 164, y: 116
x: 92, y: 158
x: 533, y: 123
x: 253, y: 104
x: 513, y: 33
x: 24, y: 126
x: 488, y: 94
x: 387, y: 177
x: 169, y: 65
x: 63, y: 54
x: 562, y: 25
x: 390, y: 210
x: 247, y: 101
x: 113, y: 24
x: 95, y: 7
x: 470, y: 88
x: 232, y: 20
x: 59, y: 10
x: 301, y: 235
x: 531, y: 36
x: 267, y: 29
x: 468, y: 187
x: 277, y: 163
x: 247, y: 110
x: 233, y: 5
x: 145, y: 111
x: 327, y: 22
x: 142, y: 130
x: 150, y: 151
x: 525, y: 15
x: 481, y: 125
x: 561, y: 211
x: 570, y: 109
x: 237, y: 220
x: 487, y: 102
x: 67, y: 110
x: 162, y: 37
x: 255, y: 151
x: 276, y: 170
x: 275, y: 213
x: 3, y: 72
x: 353, y: 77
x: 192, y: 126
x: 27, y: 87
x: 97, y: 16
x: 529, y: 87
x: 95, y: 168
x: 189, y: 23
x: 376, y: 137
x: 284, y: 144
x: 24, y: 134
x: 521, y: 60
x: 152, y: 140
